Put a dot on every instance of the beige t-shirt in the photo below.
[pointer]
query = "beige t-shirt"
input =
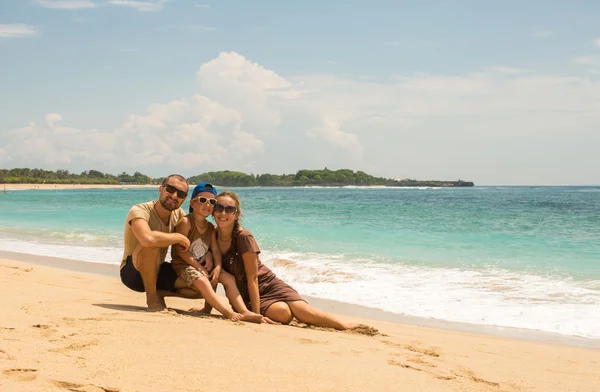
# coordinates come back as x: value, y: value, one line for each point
x: 147, y: 212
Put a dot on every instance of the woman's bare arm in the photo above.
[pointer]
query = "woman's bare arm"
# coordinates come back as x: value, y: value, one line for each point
x: 217, y: 259
x: 251, y: 267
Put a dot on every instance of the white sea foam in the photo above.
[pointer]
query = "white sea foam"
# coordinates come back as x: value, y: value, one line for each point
x: 491, y: 297
x: 37, y: 235
x: 366, y: 187
x: 388, y: 187
x: 106, y: 255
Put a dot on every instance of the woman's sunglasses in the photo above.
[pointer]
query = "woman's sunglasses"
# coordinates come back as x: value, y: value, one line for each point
x: 229, y: 210
x: 171, y: 189
x: 204, y: 200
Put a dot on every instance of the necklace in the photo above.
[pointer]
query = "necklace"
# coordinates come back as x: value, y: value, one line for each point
x: 202, y: 229
x: 225, y: 240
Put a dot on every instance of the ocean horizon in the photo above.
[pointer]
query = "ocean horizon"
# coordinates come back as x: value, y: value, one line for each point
x: 512, y: 256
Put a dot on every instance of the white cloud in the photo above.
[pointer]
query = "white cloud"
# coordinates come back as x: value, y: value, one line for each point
x: 144, y: 6
x: 199, y: 28
x: 52, y: 119
x: 201, y: 128
x: 507, y: 70
x: 205, y: 6
x: 394, y: 43
x: 255, y: 91
x: 187, y: 134
x: 66, y: 4
x: 140, y: 5
x: 597, y: 42
x: 542, y: 33
x: 330, y: 132
x: 185, y: 27
x: 587, y: 60
x: 17, y: 30
x: 500, y: 125
x: 52, y: 144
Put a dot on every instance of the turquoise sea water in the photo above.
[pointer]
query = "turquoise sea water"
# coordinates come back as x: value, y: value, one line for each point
x: 524, y: 257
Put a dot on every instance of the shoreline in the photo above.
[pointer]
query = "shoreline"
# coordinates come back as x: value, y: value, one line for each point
x: 32, y: 187
x: 29, y: 187
x: 342, y: 308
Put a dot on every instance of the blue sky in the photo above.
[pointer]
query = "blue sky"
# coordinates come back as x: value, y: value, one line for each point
x: 494, y: 92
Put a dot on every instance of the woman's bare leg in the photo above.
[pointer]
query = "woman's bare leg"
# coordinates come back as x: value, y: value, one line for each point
x: 309, y: 315
x: 280, y: 312
x: 207, y: 307
x: 235, y: 298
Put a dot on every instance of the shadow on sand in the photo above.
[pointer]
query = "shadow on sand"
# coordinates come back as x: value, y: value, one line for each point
x: 134, y: 308
x: 360, y: 329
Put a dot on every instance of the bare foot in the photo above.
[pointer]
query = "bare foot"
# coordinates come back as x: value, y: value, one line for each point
x: 161, y: 299
x: 267, y: 320
x: 252, y: 317
x: 156, y: 307
x: 202, y: 310
x: 206, y: 309
x: 156, y: 304
x: 234, y: 316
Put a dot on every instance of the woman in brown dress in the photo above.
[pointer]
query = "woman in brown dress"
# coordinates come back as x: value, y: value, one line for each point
x: 262, y: 291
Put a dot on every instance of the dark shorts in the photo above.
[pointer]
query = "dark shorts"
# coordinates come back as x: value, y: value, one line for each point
x: 133, y: 280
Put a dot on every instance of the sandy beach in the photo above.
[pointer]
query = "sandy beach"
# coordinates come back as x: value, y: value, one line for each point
x: 26, y: 187
x: 68, y: 329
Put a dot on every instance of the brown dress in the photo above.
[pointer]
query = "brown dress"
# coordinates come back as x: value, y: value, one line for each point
x: 270, y: 287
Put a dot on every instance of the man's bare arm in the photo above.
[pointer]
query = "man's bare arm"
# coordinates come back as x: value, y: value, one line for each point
x: 156, y: 239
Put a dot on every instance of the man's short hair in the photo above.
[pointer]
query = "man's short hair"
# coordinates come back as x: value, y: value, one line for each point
x: 177, y: 176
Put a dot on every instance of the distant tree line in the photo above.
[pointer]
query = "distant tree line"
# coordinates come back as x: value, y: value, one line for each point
x: 325, y: 177
x: 40, y: 176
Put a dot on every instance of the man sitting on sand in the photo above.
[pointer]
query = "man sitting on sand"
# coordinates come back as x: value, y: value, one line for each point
x: 148, y: 234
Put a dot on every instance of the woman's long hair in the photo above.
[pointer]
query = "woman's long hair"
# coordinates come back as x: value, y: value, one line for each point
x: 236, y: 225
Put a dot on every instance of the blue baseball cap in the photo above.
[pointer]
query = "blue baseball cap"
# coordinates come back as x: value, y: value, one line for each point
x: 204, y: 187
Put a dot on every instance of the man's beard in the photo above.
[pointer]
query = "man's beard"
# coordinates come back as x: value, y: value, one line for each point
x: 167, y: 207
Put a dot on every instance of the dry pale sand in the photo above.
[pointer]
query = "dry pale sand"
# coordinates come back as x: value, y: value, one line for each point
x: 62, y: 330
x: 26, y: 187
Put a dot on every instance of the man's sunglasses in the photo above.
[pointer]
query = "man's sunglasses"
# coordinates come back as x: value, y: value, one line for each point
x: 204, y: 200
x: 229, y: 210
x: 171, y: 189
